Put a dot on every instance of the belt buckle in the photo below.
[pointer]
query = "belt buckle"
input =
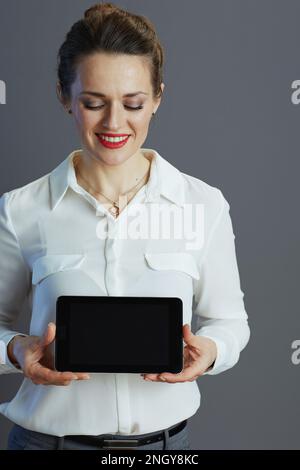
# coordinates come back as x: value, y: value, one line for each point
x: 131, y: 443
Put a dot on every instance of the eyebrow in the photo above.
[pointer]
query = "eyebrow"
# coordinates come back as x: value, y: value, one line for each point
x: 102, y: 95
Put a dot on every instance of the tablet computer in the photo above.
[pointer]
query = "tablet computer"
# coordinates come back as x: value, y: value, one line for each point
x: 119, y: 334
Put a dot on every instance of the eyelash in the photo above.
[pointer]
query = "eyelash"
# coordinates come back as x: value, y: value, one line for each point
x: 93, y: 108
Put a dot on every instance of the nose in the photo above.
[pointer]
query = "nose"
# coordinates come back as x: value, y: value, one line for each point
x: 113, y: 118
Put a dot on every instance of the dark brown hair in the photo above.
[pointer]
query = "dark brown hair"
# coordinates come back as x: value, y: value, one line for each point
x: 108, y: 28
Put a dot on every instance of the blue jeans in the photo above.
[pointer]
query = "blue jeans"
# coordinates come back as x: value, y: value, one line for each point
x: 23, y: 439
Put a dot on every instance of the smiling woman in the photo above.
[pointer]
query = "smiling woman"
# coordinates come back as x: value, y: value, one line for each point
x: 112, y: 84
x: 110, y: 79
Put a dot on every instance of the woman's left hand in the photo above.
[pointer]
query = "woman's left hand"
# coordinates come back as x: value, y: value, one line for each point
x: 199, y: 354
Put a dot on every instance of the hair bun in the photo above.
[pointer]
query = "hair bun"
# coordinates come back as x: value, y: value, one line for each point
x: 99, y: 8
x: 108, y: 28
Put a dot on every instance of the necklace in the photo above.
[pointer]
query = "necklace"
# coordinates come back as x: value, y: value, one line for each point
x: 115, y: 208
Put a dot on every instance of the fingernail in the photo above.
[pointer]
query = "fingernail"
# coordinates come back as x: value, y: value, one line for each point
x: 162, y: 378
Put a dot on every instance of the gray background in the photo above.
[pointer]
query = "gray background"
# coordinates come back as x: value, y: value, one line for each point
x: 226, y: 118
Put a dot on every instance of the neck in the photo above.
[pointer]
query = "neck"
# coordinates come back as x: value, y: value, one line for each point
x: 112, y: 180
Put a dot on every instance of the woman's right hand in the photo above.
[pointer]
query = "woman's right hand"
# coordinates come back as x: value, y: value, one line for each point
x: 36, y: 359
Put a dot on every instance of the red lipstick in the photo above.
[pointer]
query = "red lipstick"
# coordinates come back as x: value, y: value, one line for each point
x: 112, y: 145
x: 107, y: 134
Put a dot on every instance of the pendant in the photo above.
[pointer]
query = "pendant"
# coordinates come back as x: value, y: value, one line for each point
x: 114, y: 210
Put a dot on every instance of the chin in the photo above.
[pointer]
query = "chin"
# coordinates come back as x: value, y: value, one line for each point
x: 111, y: 157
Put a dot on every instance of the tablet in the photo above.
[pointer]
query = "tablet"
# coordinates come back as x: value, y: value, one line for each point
x: 119, y: 334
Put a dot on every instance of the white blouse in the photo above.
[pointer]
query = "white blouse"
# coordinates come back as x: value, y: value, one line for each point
x: 57, y: 239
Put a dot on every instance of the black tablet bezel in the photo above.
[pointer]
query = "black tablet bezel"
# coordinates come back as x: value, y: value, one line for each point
x: 62, y: 362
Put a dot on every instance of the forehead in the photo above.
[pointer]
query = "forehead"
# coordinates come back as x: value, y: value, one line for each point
x: 112, y: 74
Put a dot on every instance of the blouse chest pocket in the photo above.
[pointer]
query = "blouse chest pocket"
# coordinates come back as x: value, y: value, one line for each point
x: 50, y: 264
x: 180, y: 261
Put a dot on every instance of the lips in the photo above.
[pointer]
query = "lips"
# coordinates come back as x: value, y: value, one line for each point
x: 113, y: 135
x: 112, y: 145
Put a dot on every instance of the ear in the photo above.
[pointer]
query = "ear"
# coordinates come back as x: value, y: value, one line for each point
x: 60, y: 95
x: 158, y: 100
x: 162, y: 86
x: 59, y: 92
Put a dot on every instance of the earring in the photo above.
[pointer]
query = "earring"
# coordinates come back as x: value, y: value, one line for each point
x: 70, y: 111
x: 153, y: 114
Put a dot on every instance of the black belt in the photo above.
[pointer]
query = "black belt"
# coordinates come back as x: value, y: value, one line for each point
x: 105, y: 442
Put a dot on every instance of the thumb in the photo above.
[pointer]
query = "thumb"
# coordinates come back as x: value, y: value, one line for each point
x: 187, y: 334
x: 48, y: 335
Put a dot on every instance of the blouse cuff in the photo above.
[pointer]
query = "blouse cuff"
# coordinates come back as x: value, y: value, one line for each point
x: 227, y: 350
x: 6, y: 366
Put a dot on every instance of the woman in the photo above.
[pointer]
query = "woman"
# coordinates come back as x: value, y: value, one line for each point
x: 52, y: 244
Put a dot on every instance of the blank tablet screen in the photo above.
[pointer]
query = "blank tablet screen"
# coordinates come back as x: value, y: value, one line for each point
x: 119, y: 334
x: 124, y: 329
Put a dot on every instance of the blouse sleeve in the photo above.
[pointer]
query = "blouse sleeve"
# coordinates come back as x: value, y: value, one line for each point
x: 218, y: 298
x: 15, y: 282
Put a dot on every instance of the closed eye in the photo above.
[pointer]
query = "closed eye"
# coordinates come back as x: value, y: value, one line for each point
x: 99, y: 107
